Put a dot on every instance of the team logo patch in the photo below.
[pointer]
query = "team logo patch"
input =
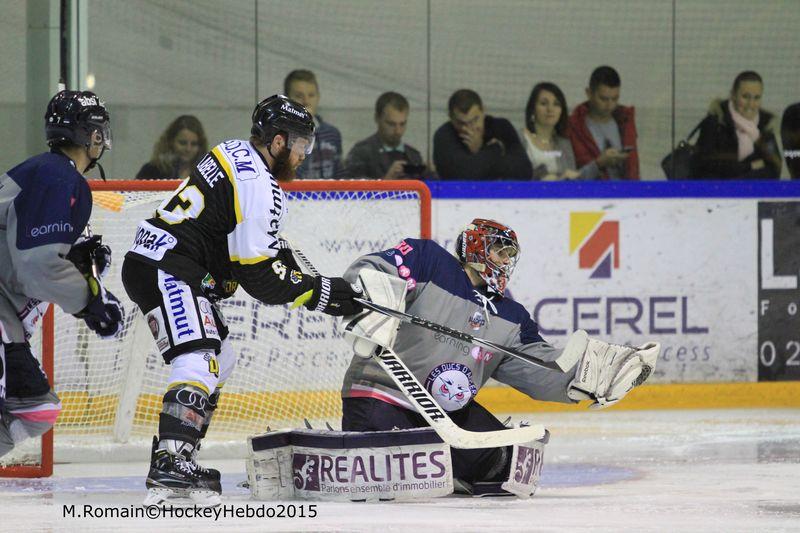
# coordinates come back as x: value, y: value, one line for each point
x: 411, y: 284
x: 295, y: 277
x: 398, y: 259
x: 155, y: 321
x: 479, y: 354
x: 476, y: 321
x: 404, y: 271
x: 305, y: 471
x: 451, y: 385
x: 207, y: 317
x: 404, y: 247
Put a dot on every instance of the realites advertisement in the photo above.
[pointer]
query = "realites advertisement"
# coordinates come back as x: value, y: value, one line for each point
x: 681, y: 272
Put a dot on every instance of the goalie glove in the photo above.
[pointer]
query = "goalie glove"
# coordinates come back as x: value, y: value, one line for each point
x: 88, y: 250
x: 369, y: 331
x: 607, y: 372
x: 103, y: 314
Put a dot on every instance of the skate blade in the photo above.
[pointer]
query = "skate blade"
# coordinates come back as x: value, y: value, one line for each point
x: 157, y: 496
x: 205, y: 498
x: 182, y: 498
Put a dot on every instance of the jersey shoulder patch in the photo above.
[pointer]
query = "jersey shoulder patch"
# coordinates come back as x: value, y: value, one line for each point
x: 240, y: 160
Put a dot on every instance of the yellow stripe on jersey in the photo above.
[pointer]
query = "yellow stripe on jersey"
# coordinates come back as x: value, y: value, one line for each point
x: 196, y: 384
x: 249, y: 260
x: 232, y: 178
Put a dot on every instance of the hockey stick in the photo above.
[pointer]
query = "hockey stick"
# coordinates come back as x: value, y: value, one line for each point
x: 559, y: 364
x: 466, y: 337
x: 437, y: 418
x: 427, y: 407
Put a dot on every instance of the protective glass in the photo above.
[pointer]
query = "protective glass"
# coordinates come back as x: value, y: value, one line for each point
x: 300, y: 143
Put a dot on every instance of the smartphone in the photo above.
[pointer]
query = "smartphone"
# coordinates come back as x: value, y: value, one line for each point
x: 413, y: 170
x: 627, y: 149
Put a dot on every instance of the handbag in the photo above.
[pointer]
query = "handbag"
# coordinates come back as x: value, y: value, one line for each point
x: 679, y: 164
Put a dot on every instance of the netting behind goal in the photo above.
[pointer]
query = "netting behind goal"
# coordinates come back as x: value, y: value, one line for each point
x: 290, y: 362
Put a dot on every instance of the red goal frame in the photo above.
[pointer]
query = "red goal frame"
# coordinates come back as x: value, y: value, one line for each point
x: 45, y: 468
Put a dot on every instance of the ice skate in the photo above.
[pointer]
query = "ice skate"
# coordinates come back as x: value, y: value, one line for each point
x: 172, y: 476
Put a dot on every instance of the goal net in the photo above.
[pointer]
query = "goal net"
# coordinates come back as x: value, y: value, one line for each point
x: 290, y: 362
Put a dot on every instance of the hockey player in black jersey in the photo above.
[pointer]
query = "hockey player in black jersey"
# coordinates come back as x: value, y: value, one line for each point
x: 219, y: 230
x: 45, y: 204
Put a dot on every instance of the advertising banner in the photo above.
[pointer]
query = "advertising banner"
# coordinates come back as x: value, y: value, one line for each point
x: 682, y: 272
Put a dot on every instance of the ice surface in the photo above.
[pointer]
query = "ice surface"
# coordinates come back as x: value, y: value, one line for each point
x: 727, y: 470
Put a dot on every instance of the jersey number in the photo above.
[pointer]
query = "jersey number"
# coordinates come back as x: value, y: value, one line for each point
x: 187, y: 202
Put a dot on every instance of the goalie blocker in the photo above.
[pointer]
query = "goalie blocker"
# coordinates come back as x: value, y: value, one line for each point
x: 412, y: 464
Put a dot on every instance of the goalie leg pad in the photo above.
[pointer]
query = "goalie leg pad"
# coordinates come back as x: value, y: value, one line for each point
x: 607, y: 372
x: 526, y: 467
x: 369, y: 330
x: 349, y: 466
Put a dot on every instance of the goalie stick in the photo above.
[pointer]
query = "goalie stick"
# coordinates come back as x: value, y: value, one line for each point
x: 560, y: 364
x: 438, y: 419
x: 427, y: 407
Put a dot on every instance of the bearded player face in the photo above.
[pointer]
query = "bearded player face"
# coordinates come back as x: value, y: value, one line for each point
x: 289, y: 160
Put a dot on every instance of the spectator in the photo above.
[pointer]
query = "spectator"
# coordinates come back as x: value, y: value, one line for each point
x: 177, y: 151
x: 737, y: 139
x: 473, y: 145
x: 383, y: 155
x: 603, y: 133
x: 325, y: 161
x: 544, y: 135
x: 790, y: 136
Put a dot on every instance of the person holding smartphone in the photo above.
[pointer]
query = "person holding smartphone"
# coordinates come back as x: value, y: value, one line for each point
x: 602, y: 132
x: 384, y: 155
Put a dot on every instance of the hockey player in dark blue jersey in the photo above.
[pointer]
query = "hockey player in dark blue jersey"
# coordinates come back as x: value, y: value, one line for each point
x: 466, y: 293
x: 45, y: 204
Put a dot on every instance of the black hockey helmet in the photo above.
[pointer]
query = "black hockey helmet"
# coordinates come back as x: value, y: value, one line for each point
x: 74, y: 116
x: 279, y: 114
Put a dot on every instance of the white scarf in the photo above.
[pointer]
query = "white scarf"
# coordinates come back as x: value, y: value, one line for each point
x: 746, y: 131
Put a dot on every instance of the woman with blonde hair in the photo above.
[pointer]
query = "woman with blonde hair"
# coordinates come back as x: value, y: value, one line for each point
x: 177, y: 151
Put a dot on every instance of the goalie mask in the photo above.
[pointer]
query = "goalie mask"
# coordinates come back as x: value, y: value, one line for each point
x: 278, y: 114
x: 79, y: 118
x: 491, y: 249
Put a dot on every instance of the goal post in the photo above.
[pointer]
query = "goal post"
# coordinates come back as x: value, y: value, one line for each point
x: 290, y: 362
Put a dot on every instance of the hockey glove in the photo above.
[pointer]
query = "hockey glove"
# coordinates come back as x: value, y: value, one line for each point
x: 103, y: 314
x: 334, y: 296
x: 607, y: 372
x: 87, y: 250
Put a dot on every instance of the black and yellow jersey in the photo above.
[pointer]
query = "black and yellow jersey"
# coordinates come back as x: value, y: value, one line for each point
x: 221, y: 226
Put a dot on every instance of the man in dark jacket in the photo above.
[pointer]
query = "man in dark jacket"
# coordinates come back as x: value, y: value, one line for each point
x: 790, y: 135
x: 384, y: 155
x: 474, y: 145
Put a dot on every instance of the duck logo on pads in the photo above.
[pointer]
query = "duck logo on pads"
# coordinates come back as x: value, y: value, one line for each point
x: 596, y: 241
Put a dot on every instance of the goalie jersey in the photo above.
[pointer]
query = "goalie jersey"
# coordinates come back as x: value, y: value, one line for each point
x: 452, y: 370
x: 220, y: 228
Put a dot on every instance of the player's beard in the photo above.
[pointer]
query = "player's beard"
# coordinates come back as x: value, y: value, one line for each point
x: 282, y: 169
